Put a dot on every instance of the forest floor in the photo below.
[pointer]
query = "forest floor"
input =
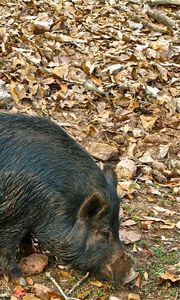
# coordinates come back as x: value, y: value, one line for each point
x: 108, y: 73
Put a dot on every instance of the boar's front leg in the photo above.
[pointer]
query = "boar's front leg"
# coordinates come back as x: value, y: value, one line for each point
x: 8, y: 265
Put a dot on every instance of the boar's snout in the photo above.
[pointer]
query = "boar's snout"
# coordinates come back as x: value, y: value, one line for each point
x: 118, y: 268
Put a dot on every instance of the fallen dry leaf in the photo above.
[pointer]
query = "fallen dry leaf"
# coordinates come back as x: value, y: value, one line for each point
x: 129, y: 236
x: 138, y: 281
x: 146, y: 276
x: 96, y: 283
x: 128, y: 223
x: 13, y: 92
x: 133, y: 296
x: 169, y: 276
x: 83, y: 295
x: 41, y: 291
x: 19, y: 291
x: 148, y: 121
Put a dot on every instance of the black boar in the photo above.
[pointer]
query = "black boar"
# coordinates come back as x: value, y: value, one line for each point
x: 51, y: 188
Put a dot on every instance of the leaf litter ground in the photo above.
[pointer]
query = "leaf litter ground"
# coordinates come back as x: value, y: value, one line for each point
x: 108, y: 72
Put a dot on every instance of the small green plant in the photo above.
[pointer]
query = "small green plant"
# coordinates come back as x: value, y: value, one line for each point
x: 158, y: 251
x: 158, y: 270
x: 100, y: 293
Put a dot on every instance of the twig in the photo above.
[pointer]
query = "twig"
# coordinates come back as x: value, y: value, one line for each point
x: 164, y: 2
x: 161, y: 17
x: 59, y: 288
x: 138, y: 19
x: 77, y: 284
x: 170, y: 65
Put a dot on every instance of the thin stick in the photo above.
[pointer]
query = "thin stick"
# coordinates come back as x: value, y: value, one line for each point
x: 57, y: 285
x: 165, y: 2
x: 77, y: 284
x: 59, y: 288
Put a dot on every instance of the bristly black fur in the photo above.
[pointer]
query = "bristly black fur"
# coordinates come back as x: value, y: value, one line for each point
x: 45, y: 176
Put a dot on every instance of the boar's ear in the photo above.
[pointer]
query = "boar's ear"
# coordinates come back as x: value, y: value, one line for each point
x: 93, y: 207
x: 110, y: 175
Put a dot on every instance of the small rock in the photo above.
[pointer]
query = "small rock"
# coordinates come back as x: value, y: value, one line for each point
x: 126, y: 169
x: 33, y: 264
x: 102, y: 151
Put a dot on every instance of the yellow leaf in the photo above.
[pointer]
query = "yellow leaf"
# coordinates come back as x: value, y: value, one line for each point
x: 13, y: 92
x: 96, y: 283
x: 63, y: 87
x: 148, y: 121
x: 146, y: 275
x: 133, y: 296
x: 97, y: 80
x: 65, y: 274
x: 138, y: 282
x: 83, y: 295
x: 169, y: 276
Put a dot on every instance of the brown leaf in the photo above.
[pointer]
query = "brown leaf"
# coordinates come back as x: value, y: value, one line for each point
x: 129, y: 236
x: 146, y: 225
x: 42, y: 291
x: 128, y: 223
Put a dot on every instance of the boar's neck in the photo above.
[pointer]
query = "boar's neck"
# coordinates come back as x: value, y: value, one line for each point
x: 65, y: 238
